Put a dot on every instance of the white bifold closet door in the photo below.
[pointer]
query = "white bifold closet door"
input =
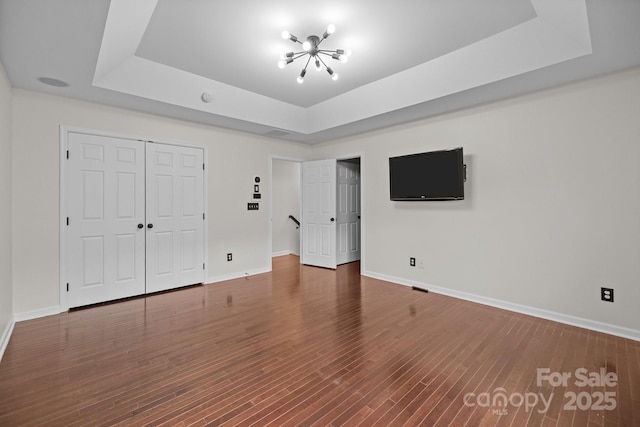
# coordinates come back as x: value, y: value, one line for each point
x: 135, y: 215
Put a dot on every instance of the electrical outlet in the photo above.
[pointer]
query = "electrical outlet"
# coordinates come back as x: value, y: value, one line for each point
x: 412, y: 262
x: 606, y: 294
x: 229, y: 256
x: 253, y: 206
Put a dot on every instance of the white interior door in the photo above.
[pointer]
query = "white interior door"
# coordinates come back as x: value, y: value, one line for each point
x: 348, y: 212
x: 175, y: 216
x: 319, y: 213
x: 105, y: 206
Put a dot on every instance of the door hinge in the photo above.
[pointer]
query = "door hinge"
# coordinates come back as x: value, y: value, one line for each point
x: 203, y: 266
x: 67, y: 287
x: 203, y: 216
x: 203, y: 166
x: 67, y: 220
x: 67, y: 154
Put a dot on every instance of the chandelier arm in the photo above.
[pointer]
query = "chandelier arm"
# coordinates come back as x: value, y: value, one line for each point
x: 300, y: 55
x: 307, y: 64
x: 325, y: 65
x: 328, y: 52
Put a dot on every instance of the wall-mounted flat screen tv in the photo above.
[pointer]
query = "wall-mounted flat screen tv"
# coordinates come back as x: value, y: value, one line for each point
x: 435, y: 175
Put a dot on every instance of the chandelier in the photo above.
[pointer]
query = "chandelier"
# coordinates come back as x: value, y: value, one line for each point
x: 311, y: 47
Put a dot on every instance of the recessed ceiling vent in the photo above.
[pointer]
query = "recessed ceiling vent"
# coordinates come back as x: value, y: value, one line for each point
x: 277, y: 133
x: 52, y: 82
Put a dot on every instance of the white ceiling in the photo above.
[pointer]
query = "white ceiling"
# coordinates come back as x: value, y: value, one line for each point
x: 411, y: 58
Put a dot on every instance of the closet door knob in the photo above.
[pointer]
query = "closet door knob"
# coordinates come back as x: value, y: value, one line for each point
x: 149, y: 225
x: 333, y: 219
x: 140, y: 226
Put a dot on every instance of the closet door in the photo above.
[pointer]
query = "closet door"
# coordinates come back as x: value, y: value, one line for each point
x: 175, y: 217
x: 105, y: 241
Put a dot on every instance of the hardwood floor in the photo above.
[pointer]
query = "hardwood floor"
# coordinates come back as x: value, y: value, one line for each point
x: 309, y: 346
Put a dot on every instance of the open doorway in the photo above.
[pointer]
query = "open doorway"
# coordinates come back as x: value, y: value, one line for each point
x: 343, y: 219
x: 330, y: 231
x: 285, y: 207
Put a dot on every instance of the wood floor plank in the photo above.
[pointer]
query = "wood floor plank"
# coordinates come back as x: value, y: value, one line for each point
x: 302, y: 346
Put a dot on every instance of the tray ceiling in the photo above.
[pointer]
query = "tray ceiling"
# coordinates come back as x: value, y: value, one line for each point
x: 410, y: 59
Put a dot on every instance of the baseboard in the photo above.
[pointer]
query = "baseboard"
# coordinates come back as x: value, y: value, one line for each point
x: 281, y: 253
x: 580, y: 322
x: 237, y: 275
x: 6, y: 336
x: 34, y: 314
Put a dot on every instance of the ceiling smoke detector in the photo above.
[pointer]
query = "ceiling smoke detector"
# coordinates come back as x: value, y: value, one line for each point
x: 206, y: 97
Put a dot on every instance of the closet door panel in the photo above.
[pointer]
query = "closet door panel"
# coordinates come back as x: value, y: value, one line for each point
x: 104, y: 247
x: 175, y: 216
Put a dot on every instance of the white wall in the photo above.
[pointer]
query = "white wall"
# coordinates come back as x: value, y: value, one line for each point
x: 234, y: 159
x: 6, y: 298
x: 285, y: 202
x: 552, y: 208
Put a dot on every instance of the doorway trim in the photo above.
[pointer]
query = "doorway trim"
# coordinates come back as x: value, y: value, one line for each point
x: 64, y: 143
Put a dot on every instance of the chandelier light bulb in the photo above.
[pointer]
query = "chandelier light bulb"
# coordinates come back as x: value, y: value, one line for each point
x: 334, y: 77
x: 286, y: 34
x: 344, y: 59
x: 306, y: 46
x: 331, y: 29
x: 301, y: 76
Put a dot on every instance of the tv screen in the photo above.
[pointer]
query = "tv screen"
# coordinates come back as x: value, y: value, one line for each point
x: 435, y: 175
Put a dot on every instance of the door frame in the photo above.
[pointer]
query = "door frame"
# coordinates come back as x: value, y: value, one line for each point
x: 356, y: 155
x: 63, y: 177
